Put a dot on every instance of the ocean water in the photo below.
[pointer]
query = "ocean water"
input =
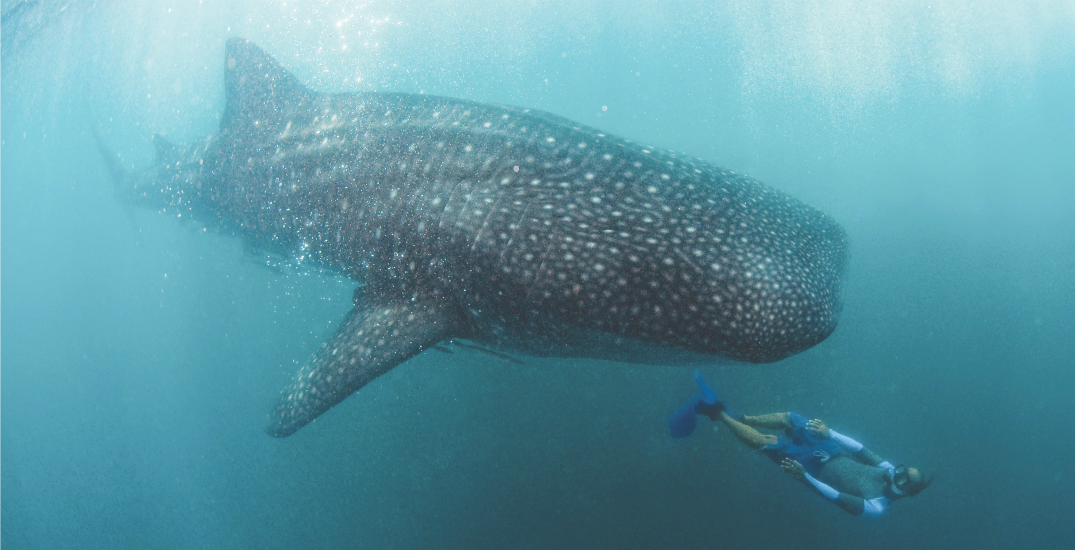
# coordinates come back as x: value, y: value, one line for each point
x: 140, y: 355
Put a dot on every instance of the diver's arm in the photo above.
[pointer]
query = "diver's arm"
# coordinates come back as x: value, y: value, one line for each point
x: 849, y: 503
x: 857, y: 450
x: 869, y: 457
x: 874, y: 506
x: 848, y: 444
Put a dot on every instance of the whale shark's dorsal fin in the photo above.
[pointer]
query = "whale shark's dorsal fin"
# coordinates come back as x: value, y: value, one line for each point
x: 257, y: 89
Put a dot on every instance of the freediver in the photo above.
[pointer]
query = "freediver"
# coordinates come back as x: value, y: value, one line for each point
x: 835, y: 466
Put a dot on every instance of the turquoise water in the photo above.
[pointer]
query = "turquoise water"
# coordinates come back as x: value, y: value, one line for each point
x: 140, y: 356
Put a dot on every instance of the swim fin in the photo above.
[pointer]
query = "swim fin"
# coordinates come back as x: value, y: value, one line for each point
x: 685, y: 419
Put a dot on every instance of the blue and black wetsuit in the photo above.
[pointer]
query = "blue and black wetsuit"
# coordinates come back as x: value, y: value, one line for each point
x: 839, y: 468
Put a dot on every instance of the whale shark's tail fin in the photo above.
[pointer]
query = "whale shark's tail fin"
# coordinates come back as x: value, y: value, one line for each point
x: 121, y: 177
x: 159, y: 186
x: 113, y: 161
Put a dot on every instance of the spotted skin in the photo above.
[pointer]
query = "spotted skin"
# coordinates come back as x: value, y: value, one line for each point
x: 517, y: 229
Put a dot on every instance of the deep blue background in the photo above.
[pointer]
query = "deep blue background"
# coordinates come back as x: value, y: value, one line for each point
x: 141, y: 355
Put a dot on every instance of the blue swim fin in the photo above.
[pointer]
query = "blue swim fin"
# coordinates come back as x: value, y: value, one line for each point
x: 709, y: 396
x: 712, y: 405
x: 685, y: 419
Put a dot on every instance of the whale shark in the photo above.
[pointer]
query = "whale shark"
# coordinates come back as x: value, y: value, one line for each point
x: 515, y: 229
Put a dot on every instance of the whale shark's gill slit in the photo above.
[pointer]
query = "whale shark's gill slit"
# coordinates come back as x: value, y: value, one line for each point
x: 518, y: 226
x: 486, y: 221
x: 687, y: 259
x: 448, y: 203
x: 538, y: 272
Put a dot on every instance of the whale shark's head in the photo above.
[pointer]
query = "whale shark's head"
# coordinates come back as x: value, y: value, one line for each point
x: 659, y: 250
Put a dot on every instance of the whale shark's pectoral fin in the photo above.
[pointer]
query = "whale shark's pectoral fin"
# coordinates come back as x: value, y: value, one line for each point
x: 370, y: 341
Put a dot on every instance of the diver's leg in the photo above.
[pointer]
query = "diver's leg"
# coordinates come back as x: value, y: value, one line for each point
x: 773, y: 421
x: 749, y: 436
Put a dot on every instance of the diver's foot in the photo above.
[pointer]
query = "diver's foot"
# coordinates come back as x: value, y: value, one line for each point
x: 709, y: 404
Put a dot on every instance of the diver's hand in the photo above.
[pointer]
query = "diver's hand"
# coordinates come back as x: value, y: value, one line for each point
x: 793, y: 468
x: 818, y: 429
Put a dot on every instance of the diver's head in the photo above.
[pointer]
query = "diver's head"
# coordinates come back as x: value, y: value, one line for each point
x: 907, y: 482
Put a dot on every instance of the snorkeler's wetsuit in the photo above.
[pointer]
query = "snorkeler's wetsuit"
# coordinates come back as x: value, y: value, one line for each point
x: 839, y: 468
